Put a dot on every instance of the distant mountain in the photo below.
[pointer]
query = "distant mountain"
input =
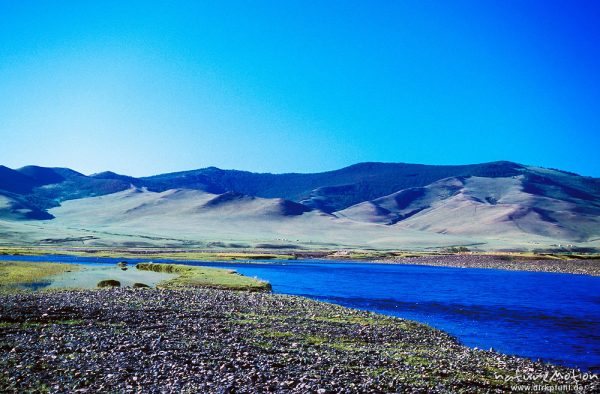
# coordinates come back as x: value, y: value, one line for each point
x: 328, y: 191
x: 14, y: 182
x: 47, y: 176
x: 501, y: 200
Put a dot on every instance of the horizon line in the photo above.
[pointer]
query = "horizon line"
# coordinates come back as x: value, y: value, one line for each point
x: 299, y: 173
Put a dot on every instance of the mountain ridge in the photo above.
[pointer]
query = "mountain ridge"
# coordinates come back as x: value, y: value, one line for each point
x: 500, y: 199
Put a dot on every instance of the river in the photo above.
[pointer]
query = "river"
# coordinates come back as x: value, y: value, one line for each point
x: 553, y: 317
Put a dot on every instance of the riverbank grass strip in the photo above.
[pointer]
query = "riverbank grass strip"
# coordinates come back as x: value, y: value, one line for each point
x: 178, y: 254
x: 215, y: 278
x: 21, y: 272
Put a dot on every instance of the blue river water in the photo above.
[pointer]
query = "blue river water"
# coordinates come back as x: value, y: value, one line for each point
x: 547, y: 316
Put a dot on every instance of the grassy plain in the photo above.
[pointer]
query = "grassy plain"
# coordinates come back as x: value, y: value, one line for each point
x: 169, y: 254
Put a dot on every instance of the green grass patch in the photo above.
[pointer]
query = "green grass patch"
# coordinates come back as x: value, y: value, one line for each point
x: 315, y: 340
x: 243, y: 321
x: 378, y: 372
x: 14, y: 251
x: 68, y: 322
x: 217, y: 278
x: 22, y: 272
x: 363, y: 321
x: 30, y: 324
x: 274, y: 333
x: 348, y: 344
x: 149, y: 253
x: 264, y: 345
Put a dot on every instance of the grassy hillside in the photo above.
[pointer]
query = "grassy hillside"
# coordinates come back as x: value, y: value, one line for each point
x: 328, y: 191
x: 177, y: 218
x: 368, y: 205
x: 477, y: 205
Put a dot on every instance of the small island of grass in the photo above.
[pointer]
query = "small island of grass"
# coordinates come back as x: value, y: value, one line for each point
x: 215, y: 278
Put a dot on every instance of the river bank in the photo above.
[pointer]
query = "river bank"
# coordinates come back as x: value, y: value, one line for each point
x: 513, y: 263
x: 581, y: 264
x: 206, y: 340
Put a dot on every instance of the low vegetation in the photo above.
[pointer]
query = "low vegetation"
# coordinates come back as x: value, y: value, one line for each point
x: 168, y: 254
x: 216, y: 278
x: 16, y: 251
x: 229, y: 255
x: 22, y: 273
x: 109, y: 283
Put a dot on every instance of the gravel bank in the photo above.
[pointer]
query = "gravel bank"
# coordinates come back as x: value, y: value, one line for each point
x: 204, y: 340
x: 583, y: 267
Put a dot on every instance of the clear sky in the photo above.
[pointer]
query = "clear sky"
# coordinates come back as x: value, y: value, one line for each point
x: 149, y: 87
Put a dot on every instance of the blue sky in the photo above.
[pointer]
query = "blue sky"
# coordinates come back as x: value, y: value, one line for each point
x: 148, y: 87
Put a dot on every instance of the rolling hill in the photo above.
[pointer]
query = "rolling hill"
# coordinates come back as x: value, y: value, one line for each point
x: 492, y: 206
x: 328, y: 191
x: 370, y: 205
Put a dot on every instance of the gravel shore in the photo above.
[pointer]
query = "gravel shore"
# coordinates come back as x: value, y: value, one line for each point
x: 582, y: 267
x: 216, y: 341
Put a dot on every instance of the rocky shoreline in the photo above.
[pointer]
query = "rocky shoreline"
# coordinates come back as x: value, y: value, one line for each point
x: 516, y: 263
x: 216, y: 341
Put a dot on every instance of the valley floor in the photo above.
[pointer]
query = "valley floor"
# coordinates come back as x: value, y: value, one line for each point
x: 583, y: 264
x: 208, y: 340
